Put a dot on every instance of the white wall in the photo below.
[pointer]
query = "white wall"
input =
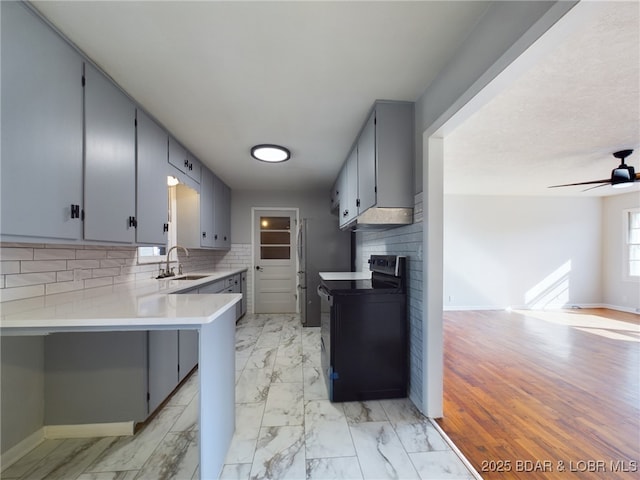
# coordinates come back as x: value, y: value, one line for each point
x: 618, y: 290
x: 530, y: 252
x: 311, y: 204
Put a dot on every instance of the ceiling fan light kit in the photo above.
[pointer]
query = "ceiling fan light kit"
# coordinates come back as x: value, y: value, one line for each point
x: 624, y: 175
x: 621, y: 177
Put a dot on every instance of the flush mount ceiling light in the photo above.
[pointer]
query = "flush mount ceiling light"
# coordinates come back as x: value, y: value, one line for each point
x: 270, y: 153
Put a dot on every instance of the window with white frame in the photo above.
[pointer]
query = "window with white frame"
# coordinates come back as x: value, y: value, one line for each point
x: 632, y: 218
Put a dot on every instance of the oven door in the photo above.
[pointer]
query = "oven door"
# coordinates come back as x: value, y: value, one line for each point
x: 326, y: 304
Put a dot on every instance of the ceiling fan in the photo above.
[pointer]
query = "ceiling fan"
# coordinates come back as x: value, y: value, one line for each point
x: 622, y: 176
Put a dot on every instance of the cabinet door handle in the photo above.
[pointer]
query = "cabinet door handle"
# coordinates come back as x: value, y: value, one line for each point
x: 165, y: 227
x: 75, y: 211
x: 133, y: 222
x: 215, y: 237
x: 345, y: 213
x: 204, y: 234
x: 186, y: 163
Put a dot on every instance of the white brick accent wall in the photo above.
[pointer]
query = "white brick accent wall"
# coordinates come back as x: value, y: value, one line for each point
x: 31, y: 270
x: 403, y: 241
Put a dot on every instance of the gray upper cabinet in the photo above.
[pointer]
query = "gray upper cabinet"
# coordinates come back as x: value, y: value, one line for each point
x: 367, y: 165
x: 335, y: 196
x: 194, y: 168
x: 110, y: 169
x: 204, y: 218
x: 183, y: 160
x: 394, y: 152
x: 378, y: 173
x: 207, y: 208
x: 41, y: 129
x: 152, y: 170
x: 221, y: 214
x: 349, y: 189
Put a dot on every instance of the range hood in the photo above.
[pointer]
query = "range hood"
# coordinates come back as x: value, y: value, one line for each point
x: 382, y: 218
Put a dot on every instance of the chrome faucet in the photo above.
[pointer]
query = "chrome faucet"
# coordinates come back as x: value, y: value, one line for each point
x: 169, y: 273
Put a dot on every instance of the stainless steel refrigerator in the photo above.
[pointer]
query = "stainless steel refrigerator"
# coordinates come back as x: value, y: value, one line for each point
x: 322, y: 247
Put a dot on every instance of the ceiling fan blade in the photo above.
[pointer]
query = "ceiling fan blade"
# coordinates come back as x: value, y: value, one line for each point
x: 607, y: 180
x: 597, y: 186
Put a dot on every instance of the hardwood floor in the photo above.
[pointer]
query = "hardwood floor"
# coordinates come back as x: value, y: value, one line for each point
x: 544, y: 394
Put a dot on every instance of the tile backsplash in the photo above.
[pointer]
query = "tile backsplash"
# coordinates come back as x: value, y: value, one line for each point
x: 31, y: 270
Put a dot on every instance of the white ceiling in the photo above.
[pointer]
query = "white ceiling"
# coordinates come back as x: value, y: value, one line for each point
x: 223, y: 76
x: 562, y: 119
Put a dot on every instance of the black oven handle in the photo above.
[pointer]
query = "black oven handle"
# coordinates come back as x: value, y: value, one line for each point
x: 324, y: 294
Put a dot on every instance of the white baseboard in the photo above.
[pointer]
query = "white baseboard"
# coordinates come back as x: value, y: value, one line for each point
x: 64, y: 431
x: 454, y: 308
x: 621, y: 309
x: 89, y: 430
x: 19, y: 450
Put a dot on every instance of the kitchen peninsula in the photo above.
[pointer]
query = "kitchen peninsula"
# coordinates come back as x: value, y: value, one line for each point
x: 153, y: 305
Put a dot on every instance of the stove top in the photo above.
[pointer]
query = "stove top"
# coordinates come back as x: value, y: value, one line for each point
x: 388, y: 277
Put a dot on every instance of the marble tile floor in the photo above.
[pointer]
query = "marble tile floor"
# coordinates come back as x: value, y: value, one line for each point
x: 286, y: 428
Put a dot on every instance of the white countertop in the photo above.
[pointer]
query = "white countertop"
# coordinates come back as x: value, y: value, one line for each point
x: 144, y: 304
x: 345, y: 275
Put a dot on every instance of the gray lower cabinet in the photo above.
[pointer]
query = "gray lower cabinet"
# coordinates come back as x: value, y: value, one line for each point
x: 163, y: 355
x: 41, y: 129
x: 243, y: 290
x: 187, y: 352
x: 237, y: 288
x: 110, y: 169
x: 114, y: 376
x: 105, y: 377
x: 95, y: 377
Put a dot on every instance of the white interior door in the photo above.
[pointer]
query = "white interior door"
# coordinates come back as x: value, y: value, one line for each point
x: 274, y: 254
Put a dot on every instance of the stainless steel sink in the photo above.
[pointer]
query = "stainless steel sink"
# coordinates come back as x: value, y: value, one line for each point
x: 188, y: 277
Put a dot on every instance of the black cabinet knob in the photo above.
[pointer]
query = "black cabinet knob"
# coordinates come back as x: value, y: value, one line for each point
x: 204, y: 234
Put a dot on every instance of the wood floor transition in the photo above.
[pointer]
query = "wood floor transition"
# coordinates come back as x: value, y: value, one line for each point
x: 544, y: 394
